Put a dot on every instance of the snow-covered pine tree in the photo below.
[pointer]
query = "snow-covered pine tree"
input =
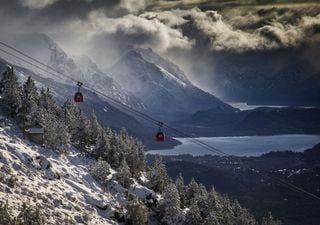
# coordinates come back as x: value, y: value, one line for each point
x: 135, y: 156
x: 192, y: 191
x: 47, y: 101
x: 100, y: 171
x: 141, y: 159
x: 56, y: 134
x: 181, y: 189
x: 214, y: 201
x: 124, y: 175
x: 11, y: 91
x: 158, y: 176
x: 201, y: 199
x: 211, y: 219
x: 102, y: 147
x: 72, y: 118
x: 30, y: 99
x: 94, y: 126
x: 82, y: 138
x: 115, y: 154
x: 193, y: 216
x: 138, y: 213
x: 170, y: 212
x: 269, y: 220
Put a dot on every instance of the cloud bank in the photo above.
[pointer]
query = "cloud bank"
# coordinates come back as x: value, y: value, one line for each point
x: 102, y: 28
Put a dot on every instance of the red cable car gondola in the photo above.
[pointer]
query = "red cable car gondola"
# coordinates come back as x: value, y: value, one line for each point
x: 78, y: 97
x: 160, y: 136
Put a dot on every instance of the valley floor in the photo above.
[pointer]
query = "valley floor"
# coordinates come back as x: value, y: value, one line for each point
x: 254, y: 181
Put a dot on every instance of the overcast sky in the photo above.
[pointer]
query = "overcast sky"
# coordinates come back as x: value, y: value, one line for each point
x: 104, y: 29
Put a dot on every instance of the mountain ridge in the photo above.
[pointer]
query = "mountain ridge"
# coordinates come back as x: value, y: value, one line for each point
x: 159, y: 89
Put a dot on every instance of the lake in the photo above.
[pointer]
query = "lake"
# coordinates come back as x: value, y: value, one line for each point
x: 243, y: 146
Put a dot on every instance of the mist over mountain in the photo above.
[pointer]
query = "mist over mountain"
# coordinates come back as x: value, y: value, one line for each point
x: 82, y: 68
x: 107, y: 114
x: 275, y: 77
x: 161, y: 85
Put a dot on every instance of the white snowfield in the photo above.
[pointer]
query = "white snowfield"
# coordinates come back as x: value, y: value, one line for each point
x: 60, y: 185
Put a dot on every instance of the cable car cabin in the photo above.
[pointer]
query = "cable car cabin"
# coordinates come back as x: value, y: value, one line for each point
x: 160, y: 137
x: 78, y: 97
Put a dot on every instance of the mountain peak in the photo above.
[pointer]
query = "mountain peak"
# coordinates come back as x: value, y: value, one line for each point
x: 160, y: 84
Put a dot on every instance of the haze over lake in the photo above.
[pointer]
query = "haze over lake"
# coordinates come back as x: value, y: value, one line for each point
x: 243, y: 146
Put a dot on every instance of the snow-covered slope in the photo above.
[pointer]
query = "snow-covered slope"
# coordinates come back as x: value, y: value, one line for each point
x: 64, y: 190
x: 61, y: 186
x: 161, y: 85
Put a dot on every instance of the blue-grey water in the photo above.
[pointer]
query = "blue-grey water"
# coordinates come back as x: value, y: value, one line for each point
x: 243, y: 146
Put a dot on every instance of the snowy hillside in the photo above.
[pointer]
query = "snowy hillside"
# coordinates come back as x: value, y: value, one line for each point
x: 60, y: 185
x: 63, y: 178
x: 73, y: 193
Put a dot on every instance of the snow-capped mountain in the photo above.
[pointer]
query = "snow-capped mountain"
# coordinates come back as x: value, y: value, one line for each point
x: 42, y: 47
x: 161, y: 85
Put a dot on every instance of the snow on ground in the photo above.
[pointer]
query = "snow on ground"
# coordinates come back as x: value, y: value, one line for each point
x: 60, y: 185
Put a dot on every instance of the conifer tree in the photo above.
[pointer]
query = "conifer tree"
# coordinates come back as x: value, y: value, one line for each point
x: 269, y: 220
x: 140, y: 162
x: 192, y: 191
x: 72, y: 118
x: 82, y: 137
x: 211, y: 219
x: 138, y: 212
x: 181, y: 189
x: 94, y: 126
x: 193, y: 216
x: 169, y: 209
x: 102, y: 147
x: 11, y: 92
x: 56, y: 134
x: 124, y: 175
x: 30, y: 98
x: 135, y: 156
x: 158, y: 176
x: 47, y: 101
x: 115, y: 155
x: 100, y: 171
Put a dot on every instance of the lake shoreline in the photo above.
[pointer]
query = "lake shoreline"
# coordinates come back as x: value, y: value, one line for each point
x: 242, y: 145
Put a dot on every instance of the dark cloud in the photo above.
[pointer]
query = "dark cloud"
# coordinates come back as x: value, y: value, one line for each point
x: 87, y: 26
x: 62, y: 10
